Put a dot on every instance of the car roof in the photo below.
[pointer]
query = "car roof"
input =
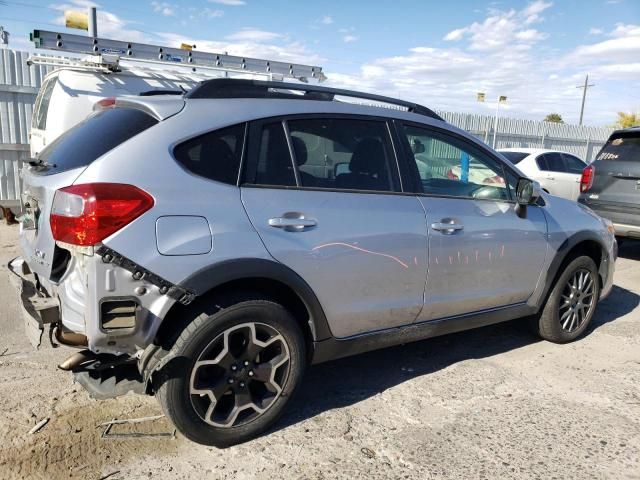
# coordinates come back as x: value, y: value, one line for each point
x: 534, y: 151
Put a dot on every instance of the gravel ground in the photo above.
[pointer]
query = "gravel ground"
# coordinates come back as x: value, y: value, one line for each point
x: 489, y: 403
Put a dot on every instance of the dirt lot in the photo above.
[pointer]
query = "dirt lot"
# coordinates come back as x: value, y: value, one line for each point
x: 489, y: 403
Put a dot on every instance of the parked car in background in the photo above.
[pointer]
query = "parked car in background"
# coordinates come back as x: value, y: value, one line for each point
x: 207, y: 248
x: 611, y: 184
x: 557, y: 172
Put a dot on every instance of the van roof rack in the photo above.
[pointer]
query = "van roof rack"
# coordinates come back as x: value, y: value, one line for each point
x: 105, y: 55
x: 241, y: 88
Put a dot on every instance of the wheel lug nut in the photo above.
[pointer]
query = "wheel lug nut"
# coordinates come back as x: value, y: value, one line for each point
x: 234, y: 367
x: 246, y: 363
x: 242, y: 384
x: 230, y: 380
x: 251, y: 373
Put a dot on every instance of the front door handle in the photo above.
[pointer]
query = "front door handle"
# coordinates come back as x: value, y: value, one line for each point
x: 549, y: 177
x: 292, y: 222
x: 447, y: 226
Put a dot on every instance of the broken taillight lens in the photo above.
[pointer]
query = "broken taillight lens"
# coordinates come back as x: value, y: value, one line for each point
x: 88, y: 213
x: 586, y: 181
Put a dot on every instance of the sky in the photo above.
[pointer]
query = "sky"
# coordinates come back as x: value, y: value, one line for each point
x: 436, y: 53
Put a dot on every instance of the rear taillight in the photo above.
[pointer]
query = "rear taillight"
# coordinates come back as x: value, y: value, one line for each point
x: 586, y: 181
x: 87, y: 214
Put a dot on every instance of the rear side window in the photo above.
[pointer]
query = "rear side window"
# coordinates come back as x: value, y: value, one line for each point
x: 94, y: 137
x: 214, y: 155
x: 343, y: 153
x: 552, y: 162
x: 514, y: 157
x: 623, y: 147
x: 39, y: 121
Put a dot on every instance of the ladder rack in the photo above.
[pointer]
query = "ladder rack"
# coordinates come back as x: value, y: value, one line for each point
x: 106, y: 54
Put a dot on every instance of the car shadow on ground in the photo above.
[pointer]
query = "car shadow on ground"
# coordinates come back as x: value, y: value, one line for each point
x: 629, y: 249
x: 347, y: 381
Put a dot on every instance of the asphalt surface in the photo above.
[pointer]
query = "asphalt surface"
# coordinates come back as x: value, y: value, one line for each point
x: 490, y: 403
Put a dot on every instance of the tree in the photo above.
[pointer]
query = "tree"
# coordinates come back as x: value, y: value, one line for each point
x: 626, y: 120
x: 554, y: 117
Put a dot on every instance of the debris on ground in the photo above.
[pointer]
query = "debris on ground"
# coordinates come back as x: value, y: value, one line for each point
x: 39, y: 426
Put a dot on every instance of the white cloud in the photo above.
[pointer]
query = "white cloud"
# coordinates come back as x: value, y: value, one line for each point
x: 595, y: 31
x: 503, y: 29
x: 211, y: 13
x: 230, y: 3
x: 164, y: 8
x: 623, y: 30
x: 285, y: 51
x: 349, y: 38
x: 535, y: 8
x: 254, y: 35
x: 536, y: 80
x: 455, y: 34
x: 327, y: 20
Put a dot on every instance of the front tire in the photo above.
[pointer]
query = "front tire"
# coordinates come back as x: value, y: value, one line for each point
x: 232, y: 372
x: 572, y: 302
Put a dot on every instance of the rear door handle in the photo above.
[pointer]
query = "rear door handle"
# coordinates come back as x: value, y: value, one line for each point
x: 291, y: 223
x: 447, y: 226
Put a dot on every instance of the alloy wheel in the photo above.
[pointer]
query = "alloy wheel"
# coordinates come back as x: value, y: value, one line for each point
x: 577, y: 300
x: 239, y: 375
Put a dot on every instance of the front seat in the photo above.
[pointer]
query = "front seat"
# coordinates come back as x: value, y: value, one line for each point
x: 367, y: 167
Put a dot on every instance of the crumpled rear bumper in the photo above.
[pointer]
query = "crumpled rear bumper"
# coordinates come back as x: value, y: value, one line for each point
x: 37, y: 308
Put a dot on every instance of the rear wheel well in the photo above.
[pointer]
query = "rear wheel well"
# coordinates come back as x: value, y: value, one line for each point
x: 234, y: 291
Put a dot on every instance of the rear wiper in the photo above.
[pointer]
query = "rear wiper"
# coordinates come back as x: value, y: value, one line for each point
x: 34, y: 162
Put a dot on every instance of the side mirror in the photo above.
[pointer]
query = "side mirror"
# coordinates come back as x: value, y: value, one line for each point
x: 527, y: 191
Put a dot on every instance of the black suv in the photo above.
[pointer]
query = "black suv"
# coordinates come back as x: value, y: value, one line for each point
x: 611, y: 184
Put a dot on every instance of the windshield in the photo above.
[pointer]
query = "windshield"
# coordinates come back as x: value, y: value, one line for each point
x: 94, y: 137
x: 621, y: 147
x: 514, y: 157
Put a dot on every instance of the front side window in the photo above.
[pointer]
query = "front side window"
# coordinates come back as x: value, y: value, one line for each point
x: 343, y: 154
x: 39, y: 121
x: 214, y: 155
x: 450, y: 167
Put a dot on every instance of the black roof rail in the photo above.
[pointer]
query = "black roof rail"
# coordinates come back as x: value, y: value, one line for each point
x: 242, y: 88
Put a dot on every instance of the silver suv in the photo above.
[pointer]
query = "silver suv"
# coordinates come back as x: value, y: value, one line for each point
x: 206, y: 248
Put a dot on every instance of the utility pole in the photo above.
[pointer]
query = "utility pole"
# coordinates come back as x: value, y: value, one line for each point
x: 92, y: 22
x: 584, y: 95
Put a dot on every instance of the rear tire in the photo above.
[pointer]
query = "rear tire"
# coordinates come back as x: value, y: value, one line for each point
x: 571, y: 303
x: 232, y: 372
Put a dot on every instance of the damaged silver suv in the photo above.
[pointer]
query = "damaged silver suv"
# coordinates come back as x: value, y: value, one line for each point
x: 206, y: 248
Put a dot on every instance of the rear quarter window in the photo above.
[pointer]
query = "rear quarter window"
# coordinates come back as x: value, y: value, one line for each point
x: 92, y: 138
x: 514, y: 157
x: 622, y: 147
x: 214, y: 155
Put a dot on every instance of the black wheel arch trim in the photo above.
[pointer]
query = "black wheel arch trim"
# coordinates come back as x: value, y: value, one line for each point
x: 561, y: 255
x: 220, y: 273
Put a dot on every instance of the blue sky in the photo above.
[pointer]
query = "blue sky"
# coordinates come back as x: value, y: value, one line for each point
x: 433, y: 52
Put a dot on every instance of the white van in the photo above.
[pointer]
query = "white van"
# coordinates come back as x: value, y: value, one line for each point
x: 67, y: 96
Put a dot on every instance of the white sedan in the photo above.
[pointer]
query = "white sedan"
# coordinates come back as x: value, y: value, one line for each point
x: 559, y: 173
